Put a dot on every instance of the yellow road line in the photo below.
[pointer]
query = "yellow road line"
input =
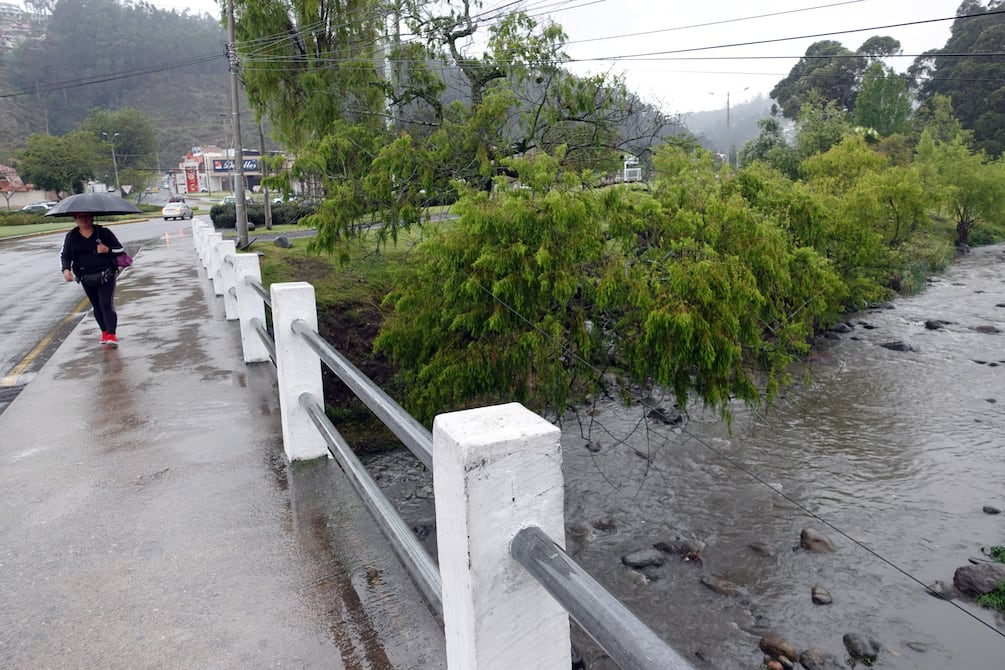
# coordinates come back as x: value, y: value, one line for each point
x: 15, y: 373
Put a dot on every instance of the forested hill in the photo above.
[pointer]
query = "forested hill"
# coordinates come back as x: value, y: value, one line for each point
x: 102, y: 54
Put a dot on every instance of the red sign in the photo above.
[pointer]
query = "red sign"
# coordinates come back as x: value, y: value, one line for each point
x: 191, y: 181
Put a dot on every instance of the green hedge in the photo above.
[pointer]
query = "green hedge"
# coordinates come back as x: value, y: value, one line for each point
x: 17, y: 217
x: 225, y: 216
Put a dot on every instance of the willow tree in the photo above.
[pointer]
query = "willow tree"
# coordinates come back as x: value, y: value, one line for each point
x: 541, y: 292
x: 307, y: 65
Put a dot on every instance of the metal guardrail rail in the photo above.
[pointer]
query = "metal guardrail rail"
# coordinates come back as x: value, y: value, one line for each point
x: 417, y: 561
x: 260, y: 290
x: 411, y: 433
x: 628, y: 641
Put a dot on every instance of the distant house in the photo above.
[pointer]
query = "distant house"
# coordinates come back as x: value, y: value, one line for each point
x: 15, y: 192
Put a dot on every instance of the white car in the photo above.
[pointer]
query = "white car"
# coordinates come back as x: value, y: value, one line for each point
x: 42, y: 206
x: 176, y: 210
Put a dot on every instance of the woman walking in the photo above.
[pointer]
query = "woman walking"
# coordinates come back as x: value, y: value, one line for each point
x: 88, y: 255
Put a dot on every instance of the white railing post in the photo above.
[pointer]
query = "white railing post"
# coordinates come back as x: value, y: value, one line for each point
x: 228, y: 278
x: 298, y: 369
x: 199, y: 232
x: 213, y: 261
x: 497, y: 470
x: 207, y: 248
x: 217, y: 262
x: 197, y: 227
x: 250, y: 306
x: 203, y: 232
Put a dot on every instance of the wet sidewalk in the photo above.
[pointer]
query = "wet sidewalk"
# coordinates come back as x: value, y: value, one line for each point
x: 148, y: 518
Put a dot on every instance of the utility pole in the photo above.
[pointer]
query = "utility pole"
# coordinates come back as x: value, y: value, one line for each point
x: 115, y: 162
x: 240, y: 208
x: 261, y: 168
x: 730, y: 157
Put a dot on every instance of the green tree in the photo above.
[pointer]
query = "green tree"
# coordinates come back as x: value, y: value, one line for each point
x: 883, y: 102
x: 496, y: 307
x: 60, y: 164
x: 771, y: 147
x: 976, y: 83
x: 538, y: 290
x: 971, y: 186
x: 830, y: 72
x: 132, y: 133
x: 821, y: 126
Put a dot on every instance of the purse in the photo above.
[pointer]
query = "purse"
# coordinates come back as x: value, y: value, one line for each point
x: 97, y: 278
x: 123, y: 260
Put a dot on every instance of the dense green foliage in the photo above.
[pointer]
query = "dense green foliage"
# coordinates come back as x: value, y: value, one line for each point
x: 831, y: 72
x: 65, y: 164
x: 284, y: 214
x: 708, y: 284
x: 60, y: 164
x: 975, y: 84
x: 538, y: 291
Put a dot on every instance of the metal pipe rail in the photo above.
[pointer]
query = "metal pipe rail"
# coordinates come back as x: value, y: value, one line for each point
x: 628, y: 641
x: 267, y: 340
x: 418, y: 562
x: 260, y: 290
x: 411, y: 433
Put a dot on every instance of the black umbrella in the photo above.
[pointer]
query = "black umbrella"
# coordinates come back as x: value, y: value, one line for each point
x: 93, y: 203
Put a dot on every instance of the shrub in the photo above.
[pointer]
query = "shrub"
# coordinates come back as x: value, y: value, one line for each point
x: 20, y: 218
x: 225, y: 216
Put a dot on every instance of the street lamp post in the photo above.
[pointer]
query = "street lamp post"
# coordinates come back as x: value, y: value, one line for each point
x: 729, y: 132
x: 115, y: 162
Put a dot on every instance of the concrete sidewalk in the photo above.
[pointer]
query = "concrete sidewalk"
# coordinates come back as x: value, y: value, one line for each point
x: 148, y: 518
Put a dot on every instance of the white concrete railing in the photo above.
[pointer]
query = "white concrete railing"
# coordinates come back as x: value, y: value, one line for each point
x: 497, y: 474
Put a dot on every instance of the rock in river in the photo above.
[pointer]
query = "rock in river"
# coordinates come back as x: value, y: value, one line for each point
x: 814, y: 540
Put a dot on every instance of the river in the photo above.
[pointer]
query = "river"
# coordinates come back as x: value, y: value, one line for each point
x: 891, y: 454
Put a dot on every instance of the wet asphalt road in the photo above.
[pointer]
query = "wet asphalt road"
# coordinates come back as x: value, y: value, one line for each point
x: 39, y: 308
x: 148, y: 518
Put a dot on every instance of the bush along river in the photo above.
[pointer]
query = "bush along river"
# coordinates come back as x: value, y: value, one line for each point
x: 829, y: 526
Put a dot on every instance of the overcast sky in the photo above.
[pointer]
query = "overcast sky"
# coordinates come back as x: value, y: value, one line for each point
x: 663, y: 47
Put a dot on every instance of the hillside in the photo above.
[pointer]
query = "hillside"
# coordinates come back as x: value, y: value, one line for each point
x: 170, y: 66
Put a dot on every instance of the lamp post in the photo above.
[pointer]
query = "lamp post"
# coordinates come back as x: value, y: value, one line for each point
x: 729, y: 131
x: 115, y: 162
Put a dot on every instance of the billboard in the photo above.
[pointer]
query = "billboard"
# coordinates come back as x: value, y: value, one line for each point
x: 227, y: 165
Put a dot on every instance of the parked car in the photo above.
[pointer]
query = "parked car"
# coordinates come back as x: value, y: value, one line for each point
x: 42, y: 206
x: 229, y: 200
x: 177, y: 198
x: 176, y: 210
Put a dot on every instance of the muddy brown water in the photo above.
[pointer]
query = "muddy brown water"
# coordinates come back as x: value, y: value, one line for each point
x: 892, y: 454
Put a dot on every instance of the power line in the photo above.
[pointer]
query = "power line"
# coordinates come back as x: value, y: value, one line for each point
x: 716, y: 23
x: 788, y: 39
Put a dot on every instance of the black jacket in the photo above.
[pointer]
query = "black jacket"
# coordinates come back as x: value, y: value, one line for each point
x: 80, y: 255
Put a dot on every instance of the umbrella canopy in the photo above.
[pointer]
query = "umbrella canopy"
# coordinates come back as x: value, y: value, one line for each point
x: 93, y: 203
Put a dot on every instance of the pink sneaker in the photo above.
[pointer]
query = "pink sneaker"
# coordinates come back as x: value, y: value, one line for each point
x: 111, y: 341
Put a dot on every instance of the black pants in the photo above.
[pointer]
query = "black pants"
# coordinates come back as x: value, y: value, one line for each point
x: 102, y: 300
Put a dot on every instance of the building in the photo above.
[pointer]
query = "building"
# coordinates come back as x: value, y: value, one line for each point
x: 210, y: 169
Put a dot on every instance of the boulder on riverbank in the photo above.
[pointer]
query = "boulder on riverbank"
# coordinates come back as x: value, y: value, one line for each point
x: 977, y: 580
x: 861, y: 648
